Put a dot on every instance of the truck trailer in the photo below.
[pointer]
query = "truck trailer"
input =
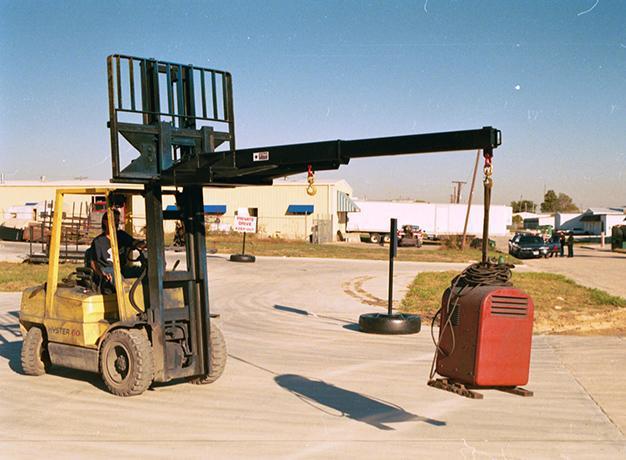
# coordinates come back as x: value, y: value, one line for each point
x: 435, y: 219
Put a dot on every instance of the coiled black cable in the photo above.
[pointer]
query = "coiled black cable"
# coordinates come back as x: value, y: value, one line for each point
x: 487, y: 274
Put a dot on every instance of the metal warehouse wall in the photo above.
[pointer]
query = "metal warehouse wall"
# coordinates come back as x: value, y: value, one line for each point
x: 271, y: 203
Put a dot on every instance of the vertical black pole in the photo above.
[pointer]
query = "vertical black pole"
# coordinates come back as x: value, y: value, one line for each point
x: 156, y: 268
x: 243, y: 250
x: 393, y: 245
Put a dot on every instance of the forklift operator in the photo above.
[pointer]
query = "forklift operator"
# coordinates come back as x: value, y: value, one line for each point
x: 101, y: 259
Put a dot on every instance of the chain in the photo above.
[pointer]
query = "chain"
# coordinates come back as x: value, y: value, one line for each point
x: 488, y: 184
x: 488, y: 171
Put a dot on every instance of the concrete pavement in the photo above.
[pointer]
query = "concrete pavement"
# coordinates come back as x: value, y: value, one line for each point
x: 301, y: 382
x: 594, y: 268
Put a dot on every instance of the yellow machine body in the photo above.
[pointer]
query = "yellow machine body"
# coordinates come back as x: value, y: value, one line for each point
x: 75, y: 315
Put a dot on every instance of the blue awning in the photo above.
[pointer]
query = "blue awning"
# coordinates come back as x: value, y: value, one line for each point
x: 300, y: 209
x: 208, y: 208
x: 215, y: 209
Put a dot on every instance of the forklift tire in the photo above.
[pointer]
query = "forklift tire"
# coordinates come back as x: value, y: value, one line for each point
x: 126, y: 362
x: 218, y: 358
x: 379, y: 323
x: 35, y: 359
x: 374, y: 238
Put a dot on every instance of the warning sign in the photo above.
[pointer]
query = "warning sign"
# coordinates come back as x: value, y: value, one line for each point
x: 245, y: 224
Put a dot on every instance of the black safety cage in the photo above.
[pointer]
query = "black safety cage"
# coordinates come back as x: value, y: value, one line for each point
x: 168, y: 112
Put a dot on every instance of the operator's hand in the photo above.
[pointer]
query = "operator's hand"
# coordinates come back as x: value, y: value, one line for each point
x: 108, y: 277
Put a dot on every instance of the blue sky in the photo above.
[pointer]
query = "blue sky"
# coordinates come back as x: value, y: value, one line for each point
x: 550, y: 74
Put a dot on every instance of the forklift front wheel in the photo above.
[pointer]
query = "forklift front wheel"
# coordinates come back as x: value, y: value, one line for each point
x: 35, y: 359
x: 126, y: 362
x: 218, y: 358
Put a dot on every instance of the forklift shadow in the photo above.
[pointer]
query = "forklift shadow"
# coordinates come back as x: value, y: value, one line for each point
x: 350, y: 404
x: 11, y: 351
x: 11, y: 343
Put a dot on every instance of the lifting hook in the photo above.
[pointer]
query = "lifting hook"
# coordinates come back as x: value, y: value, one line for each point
x: 311, y: 189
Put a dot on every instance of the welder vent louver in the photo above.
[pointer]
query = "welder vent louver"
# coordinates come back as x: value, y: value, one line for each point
x: 509, y: 306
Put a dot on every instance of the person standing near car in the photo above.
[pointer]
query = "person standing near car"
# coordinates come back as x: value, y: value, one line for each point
x: 570, y: 245
x: 561, y: 244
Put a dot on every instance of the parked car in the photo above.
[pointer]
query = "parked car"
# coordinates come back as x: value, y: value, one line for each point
x: 522, y: 246
x: 410, y: 235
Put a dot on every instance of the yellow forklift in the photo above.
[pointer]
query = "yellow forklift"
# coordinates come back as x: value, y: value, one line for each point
x: 73, y: 324
x: 179, y: 123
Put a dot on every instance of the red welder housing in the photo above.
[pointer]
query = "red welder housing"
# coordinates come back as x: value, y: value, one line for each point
x: 487, y: 340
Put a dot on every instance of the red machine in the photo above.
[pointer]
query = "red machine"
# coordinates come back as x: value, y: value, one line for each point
x: 485, y: 339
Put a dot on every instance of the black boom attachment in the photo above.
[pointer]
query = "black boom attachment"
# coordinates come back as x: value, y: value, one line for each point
x: 180, y: 120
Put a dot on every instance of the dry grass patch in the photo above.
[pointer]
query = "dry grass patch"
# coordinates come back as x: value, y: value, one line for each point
x: 561, y: 305
x: 17, y: 277
x: 231, y: 243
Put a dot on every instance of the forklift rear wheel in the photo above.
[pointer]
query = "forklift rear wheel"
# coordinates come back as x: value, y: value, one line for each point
x: 35, y: 359
x: 242, y: 258
x: 379, y: 323
x: 126, y: 362
x: 218, y: 358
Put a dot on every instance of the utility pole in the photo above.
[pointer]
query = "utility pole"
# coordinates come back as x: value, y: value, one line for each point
x: 469, y: 201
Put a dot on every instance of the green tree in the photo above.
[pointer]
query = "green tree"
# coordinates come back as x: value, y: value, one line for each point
x: 566, y: 204
x: 557, y: 203
x: 523, y: 206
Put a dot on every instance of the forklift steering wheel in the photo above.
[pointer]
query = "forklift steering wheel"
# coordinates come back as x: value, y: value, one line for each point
x: 141, y: 257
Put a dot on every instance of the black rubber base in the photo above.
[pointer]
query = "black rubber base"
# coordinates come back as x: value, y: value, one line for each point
x: 379, y: 323
x: 242, y: 258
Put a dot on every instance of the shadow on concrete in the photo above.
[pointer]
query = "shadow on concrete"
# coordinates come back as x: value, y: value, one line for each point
x: 353, y: 405
x: 299, y: 311
x: 12, y: 349
x: 593, y: 256
x: 11, y: 343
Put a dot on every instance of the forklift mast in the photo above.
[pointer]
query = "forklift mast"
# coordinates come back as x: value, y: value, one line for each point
x: 180, y: 120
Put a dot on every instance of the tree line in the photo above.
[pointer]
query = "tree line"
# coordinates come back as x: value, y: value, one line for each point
x: 552, y: 203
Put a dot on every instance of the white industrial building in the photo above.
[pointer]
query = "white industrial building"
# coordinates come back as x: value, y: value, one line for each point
x: 593, y: 221
x: 283, y: 210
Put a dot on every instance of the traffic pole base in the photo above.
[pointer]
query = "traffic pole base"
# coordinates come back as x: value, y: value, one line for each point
x: 242, y: 258
x: 398, y: 324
